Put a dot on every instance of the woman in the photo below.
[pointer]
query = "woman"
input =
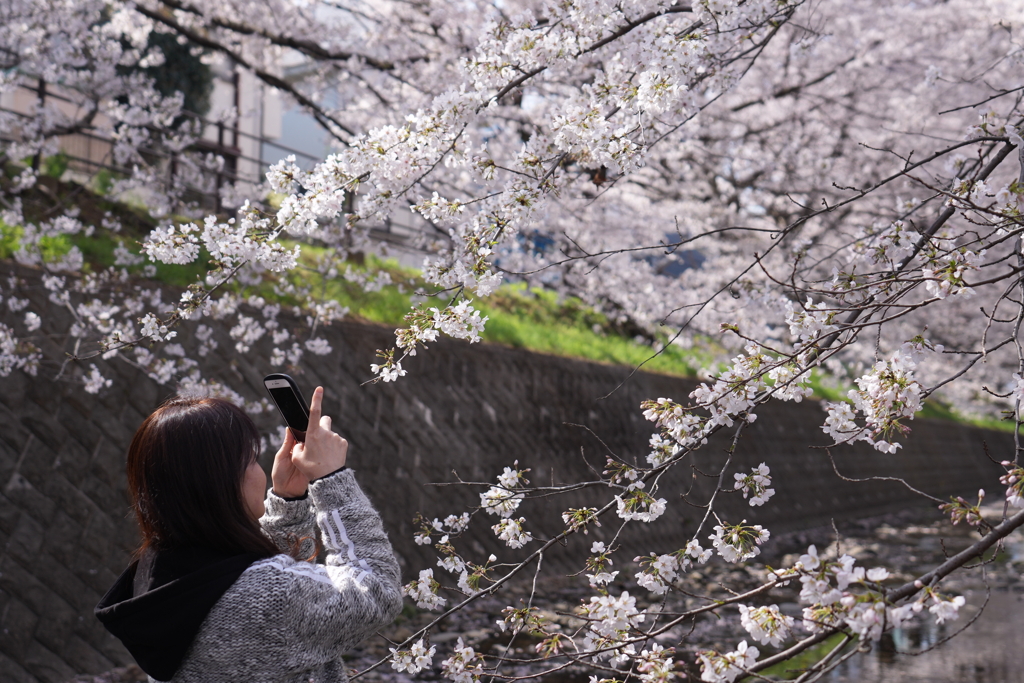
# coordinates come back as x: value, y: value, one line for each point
x: 220, y: 589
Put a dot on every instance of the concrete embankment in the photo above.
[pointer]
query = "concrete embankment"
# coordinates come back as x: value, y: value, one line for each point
x: 463, y: 412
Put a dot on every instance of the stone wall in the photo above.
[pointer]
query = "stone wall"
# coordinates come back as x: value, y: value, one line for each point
x: 462, y: 412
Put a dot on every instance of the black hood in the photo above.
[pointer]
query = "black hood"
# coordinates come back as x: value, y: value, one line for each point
x: 158, y: 604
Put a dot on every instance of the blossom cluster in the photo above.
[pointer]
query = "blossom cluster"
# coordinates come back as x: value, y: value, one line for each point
x: 515, y: 620
x: 598, y: 563
x: 867, y: 612
x: 738, y: 542
x: 726, y: 667
x: 610, y: 620
x: 512, y: 533
x: 656, y: 664
x: 451, y: 525
x: 415, y: 659
x: 809, y: 321
x: 463, y: 666
x: 888, y: 394
x: 504, y: 499
x: 756, y: 484
x: 423, y: 591
x: 658, y: 571
x: 767, y: 625
x: 639, y: 505
x: 1014, y: 481
x: 946, y: 276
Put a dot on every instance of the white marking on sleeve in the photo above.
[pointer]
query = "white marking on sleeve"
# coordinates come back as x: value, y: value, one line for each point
x: 330, y: 532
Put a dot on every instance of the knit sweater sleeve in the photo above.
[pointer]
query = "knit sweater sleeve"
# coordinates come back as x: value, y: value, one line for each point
x: 337, y: 605
x: 290, y: 521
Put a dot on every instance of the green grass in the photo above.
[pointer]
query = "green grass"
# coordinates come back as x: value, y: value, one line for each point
x: 518, y: 316
x: 54, y: 166
x: 540, y: 321
x: 10, y: 239
x: 51, y: 247
x: 796, y: 665
x: 97, y: 251
x: 386, y: 306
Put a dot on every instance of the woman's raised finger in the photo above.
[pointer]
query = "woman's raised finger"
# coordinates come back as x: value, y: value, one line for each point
x: 314, y: 406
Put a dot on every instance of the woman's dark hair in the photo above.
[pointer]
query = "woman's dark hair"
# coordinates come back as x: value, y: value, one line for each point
x: 186, y: 464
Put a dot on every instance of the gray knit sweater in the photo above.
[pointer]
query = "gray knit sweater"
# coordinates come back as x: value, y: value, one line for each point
x: 287, y: 621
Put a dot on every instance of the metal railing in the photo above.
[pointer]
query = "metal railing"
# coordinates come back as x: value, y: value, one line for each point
x: 88, y: 149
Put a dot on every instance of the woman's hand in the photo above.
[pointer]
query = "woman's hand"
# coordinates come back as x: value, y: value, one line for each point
x: 289, y: 482
x: 324, y: 451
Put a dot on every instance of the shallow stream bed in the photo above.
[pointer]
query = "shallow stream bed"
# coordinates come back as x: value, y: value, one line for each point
x: 987, y: 652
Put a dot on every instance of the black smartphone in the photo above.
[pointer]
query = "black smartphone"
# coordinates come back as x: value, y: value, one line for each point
x: 289, y: 401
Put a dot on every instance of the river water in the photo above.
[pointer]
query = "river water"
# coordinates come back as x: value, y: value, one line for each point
x: 989, y: 651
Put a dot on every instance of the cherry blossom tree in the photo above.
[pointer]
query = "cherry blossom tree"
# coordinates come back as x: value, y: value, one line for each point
x: 823, y: 192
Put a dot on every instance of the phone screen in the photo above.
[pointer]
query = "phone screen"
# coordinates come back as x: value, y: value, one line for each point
x: 293, y: 411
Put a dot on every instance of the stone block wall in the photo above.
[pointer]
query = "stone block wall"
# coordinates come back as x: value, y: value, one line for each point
x: 463, y: 412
